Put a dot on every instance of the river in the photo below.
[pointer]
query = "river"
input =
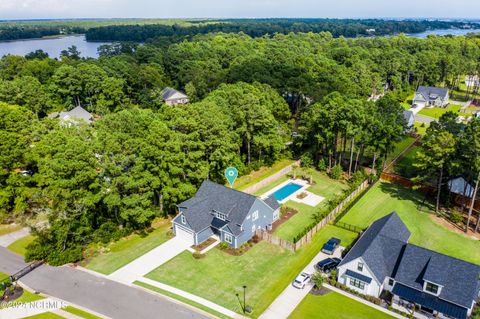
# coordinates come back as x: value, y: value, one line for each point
x: 53, y: 46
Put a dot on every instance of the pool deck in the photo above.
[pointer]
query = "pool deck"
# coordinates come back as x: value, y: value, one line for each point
x: 301, y: 182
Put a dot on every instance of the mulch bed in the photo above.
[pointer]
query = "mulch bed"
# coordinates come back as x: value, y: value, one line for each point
x: 319, y: 292
x: 204, y: 245
x: 15, y: 294
x: 284, y: 218
x: 239, y: 251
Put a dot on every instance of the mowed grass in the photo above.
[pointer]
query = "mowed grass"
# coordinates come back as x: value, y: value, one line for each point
x: 20, y: 246
x: 334, y: 305
x: 400, y: 147
x: 9, y: 228
x: 45, y: 315
x: 80, y: 313
x: 404, y: 166
x: 384, y: 198
x: 324, y: 186
x: 243, y: 182
x: 128, y: 249
x: 421, y: 128
x: 437, y: 112
x: 26, y: 297
x: 266, y: 270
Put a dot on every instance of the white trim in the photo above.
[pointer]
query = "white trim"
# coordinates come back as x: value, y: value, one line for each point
x: 300, y: 182
x: 225, y: 236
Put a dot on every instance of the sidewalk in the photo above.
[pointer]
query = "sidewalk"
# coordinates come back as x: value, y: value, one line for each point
x: 8, y: 239
x: 32, y: 308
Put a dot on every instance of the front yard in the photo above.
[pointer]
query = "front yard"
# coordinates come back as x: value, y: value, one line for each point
x: 20, y: 246
x: 334, y: 305
x: 384, y: 198
x: 266, y: 270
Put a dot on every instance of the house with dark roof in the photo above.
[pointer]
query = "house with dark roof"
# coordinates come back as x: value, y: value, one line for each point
x: 173, y: 97
x: 435, y: 284
x: 219, y: 211
x: 72, y: 116
x: 409, y: 118
x: 430, y: 96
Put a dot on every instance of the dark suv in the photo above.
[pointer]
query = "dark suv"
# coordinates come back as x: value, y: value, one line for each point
x: 331, y: 245
x: 327, y: 265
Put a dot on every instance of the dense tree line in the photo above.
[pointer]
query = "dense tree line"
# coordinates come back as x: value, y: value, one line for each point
x: 96, y: 183
x: 19, y: 32
x: 260, y: 27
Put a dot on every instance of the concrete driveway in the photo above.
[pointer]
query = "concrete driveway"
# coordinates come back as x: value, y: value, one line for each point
x: 291, y: 297
x: 150, y: 261
x: 8, y: 239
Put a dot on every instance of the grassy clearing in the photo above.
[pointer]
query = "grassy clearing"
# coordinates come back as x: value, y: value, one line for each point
x: 80, y: 313
x: 384, y: 198
x: 260, y: 174
x: 437, y: 112
x: 404, y: 166
x: 10, y: 228
x: 400, y: 147
x: 266, y: 270
x: 334, y: 305
x: 182, y: 299
x: 421, y: 128
x: 20, y: 246
x: 128, y: 249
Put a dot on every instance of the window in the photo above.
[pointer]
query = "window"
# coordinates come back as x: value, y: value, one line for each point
x: 360, y: 266
x: 391, y: 282
x: 182, y: 218
x: 221, y: 216
x: 255, y: 215
x: 228, y: 238
x: 357, y: 283
x: 431, y: 288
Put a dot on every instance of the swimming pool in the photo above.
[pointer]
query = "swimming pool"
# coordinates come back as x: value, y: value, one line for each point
x: 286, y: 191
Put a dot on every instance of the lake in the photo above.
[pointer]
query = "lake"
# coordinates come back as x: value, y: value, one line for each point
x: 53, y: 46
x: 442, y: 32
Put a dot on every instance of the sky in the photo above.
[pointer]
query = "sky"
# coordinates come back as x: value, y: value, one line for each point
x: 39, y: 9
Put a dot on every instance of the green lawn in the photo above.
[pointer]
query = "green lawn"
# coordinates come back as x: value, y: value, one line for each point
x: 404, y: 166
x: 437, y: 112
x: 268, y: 187
x: 10, y: 228
x: 323, y: 186
x: 384, y: 198
x: 266, y: 270
x: 80, y: 313
x: 243, y: 182
x: 20, y: 246
x: 27, y: 296
x: 400, y: 147
x: 334, y: 305
x: 128, y: 249
x: 421, y: 130
x: 45, y: 315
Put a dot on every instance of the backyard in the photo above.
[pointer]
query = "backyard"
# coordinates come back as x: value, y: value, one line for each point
x: 399, y: 148
x: 437, y: 112
x: 254, y: 177
x: 384, y: 198
x: 323, y: 186
x: 266, y: 270
x: 404, y: 166
x: 334, y: 305
x: 127, y: 249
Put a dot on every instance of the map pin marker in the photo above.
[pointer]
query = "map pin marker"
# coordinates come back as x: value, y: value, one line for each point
x: 231, y: 174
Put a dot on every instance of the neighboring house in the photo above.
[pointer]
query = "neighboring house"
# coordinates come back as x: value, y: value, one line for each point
x: 73, y: 115
x: 383, y: 260
x: 216, y: 210
x: 461, y: 187
x: 430, y: 96
x: 472, y: 81
x: 409, y: 118
x: 173, y: 97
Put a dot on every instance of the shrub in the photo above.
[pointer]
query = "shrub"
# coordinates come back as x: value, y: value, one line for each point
x: 322, y: 165
x: 223, y: 245
x: 455, y: 217
x: 336, y: 172
x: 307, y: 160
x: 317, y: 279
x: 198, y: 255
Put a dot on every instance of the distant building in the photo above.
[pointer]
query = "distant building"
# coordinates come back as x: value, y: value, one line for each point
x: 461, y: 187
x: 409, y: 118
x: 173, y: 97
x: 78, y: 113
x: 472, y: 81
x: 436, y: 285
x: 430, y: 96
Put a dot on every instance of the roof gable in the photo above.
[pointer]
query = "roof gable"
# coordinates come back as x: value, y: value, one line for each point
x: 172, y: 94
x: 432, y: 93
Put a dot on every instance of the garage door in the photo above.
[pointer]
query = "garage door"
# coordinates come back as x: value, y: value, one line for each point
x: 184, y: 234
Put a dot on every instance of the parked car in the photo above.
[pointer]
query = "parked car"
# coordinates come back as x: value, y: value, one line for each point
x: 301, y: 280
x: 331, y: 245
x: 327, y: 265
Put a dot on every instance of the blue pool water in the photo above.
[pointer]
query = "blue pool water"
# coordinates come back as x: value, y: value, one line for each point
x: 286, y: 191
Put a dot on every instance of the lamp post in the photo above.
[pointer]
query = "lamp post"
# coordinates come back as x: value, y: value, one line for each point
x: 244, y: 298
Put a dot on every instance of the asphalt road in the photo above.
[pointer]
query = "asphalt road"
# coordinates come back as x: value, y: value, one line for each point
x: 99, y: 294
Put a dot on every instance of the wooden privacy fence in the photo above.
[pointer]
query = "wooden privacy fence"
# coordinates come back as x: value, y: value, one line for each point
x: 284, y: 171
x: 309, y: 235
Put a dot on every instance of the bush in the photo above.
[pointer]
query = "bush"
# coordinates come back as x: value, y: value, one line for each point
x: 223, y: 245
x: 307, y: 160
x: 198, y: 255
x: 336, y: 172
x: 455, y: 217
x: 317, y: 279
x: 322, y: 165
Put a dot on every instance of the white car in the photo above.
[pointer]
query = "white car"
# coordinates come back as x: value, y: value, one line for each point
x: 301, y: 280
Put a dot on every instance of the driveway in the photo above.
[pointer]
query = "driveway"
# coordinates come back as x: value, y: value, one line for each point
x: 150, y: 261
x: 424, y: 119
x: 8, y: 239
x: 97, y: 293
x: 291, y: 297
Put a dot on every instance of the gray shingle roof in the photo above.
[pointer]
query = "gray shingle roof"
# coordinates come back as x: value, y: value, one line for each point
x: 272, y: 202
x: 409, y: 117
x: 212, y: 197
x: 78, y: 113
x: 460, y: 279
x: 381, y: 246
x: 168, y: 92
x: 431, y: 93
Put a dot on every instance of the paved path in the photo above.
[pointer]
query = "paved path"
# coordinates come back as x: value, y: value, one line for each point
x: 8, y: 239
x: 291, y: 297
x: 97, y: 293
x: 150, y: 261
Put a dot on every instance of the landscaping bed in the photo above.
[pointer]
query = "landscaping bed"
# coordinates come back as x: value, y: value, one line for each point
x: 286, y: 213
x: 203, y: 245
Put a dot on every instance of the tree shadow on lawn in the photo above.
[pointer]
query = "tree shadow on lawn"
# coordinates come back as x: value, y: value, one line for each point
x: 423, y: 202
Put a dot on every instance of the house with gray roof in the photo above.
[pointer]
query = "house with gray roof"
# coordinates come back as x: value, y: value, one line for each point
x: 430, y: 96
x: 231, y: 216
x: 72, y: 116
x: 173, y: 97
x: 383, y: 260
x: 409, y: 118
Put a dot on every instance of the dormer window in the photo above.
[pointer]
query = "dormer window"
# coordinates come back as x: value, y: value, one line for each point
x: 360, y: 266
x: 182, y: 218
x: 431, y: 288
x: 255, y: 215
x: 220, y: 216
